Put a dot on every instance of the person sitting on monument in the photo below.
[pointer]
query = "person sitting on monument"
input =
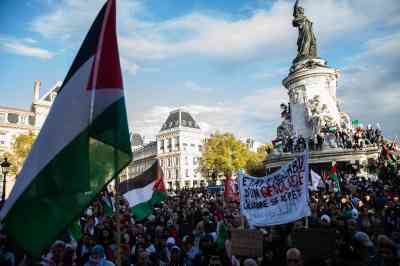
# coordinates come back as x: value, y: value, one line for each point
x: 311, y: 143
x: 301, y: 143
x: 320, y: 141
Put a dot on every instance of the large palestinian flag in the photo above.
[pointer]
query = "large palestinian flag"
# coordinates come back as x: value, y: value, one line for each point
x: 83, y: 144
x: 144, y: 191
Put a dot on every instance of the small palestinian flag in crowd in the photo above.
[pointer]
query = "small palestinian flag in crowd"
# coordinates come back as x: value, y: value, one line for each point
x: 144, y: 191
x: 231, y: 192
x: 335, y: 178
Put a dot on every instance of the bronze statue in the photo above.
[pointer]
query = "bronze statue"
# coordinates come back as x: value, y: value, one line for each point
x: 306, y: 42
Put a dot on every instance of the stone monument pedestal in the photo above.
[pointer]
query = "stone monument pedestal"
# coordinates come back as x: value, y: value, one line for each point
x: 308, y: 80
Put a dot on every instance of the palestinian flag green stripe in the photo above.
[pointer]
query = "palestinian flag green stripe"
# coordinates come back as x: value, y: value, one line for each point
x: 70, y: 181
x: 144, y: 209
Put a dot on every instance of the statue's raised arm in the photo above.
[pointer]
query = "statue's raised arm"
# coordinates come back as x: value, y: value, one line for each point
x: 295, y: 8
x: 306, y: 42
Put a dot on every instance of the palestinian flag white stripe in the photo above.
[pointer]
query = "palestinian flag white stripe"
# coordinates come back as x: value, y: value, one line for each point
x: 144, y: 191
x: 140, y: 195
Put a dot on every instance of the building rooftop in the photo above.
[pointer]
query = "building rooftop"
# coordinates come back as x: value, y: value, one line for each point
x: 14, y: 109
x: 179, y: 118
x: 136, y: 139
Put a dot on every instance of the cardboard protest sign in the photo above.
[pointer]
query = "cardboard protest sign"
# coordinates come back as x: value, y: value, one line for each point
x: 279, y: 198
x: 310, y: 240
x: 247, y: 243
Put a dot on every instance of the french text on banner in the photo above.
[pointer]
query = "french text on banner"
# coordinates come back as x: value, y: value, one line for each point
x: 278, y: 198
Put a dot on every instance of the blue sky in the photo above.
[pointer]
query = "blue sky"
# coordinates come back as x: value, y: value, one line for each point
x: 222, y: 60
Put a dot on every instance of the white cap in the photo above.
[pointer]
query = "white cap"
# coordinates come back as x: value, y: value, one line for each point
x: 171, y: 241
x: 326, y: 218
x: 354, y: 214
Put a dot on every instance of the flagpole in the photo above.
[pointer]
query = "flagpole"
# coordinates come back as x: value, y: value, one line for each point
x: 91, y: 114
x: 118, y: 222
x: 308, y: 176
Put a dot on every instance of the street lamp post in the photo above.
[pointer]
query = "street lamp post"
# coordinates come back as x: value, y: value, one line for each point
x: 5, y: 166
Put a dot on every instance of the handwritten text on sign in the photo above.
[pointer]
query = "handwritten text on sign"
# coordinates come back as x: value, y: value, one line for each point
x: 278, y: 198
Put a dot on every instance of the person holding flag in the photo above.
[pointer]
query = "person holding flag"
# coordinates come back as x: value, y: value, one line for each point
x: 335, y: 179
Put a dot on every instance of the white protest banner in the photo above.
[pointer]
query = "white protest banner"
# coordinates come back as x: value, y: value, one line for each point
x: 279, y: 198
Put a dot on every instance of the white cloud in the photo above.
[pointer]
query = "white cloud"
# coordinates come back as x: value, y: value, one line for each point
x: 263, y: 34
x: 69, y: 20
x: 130, y: 67
x: 18, y: 47
x: 249, y: 116
x: 273, y: 73
x: 29, y: 40
x: 193, y: 86
x: 371, y: 83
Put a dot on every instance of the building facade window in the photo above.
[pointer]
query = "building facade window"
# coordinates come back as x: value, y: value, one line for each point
x: 177, y: 143
x: 2, y: 117
x: 177, y: 173
x: 13, y: 118
x: 187, y: 183
x: 177, y: 161
x: 187, y: 172
x: 200, y: 148
x: 23, y: 119
x: 162, y: 145
x: 169, y: 144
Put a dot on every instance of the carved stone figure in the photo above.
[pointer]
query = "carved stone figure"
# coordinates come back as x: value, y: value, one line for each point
x: 326, y: 118
x: 345, y: 121
x: 284, y: 130
x: 318, y: 116
x: 297, y: 94
x: 306, y: 42
x: 285, y: 111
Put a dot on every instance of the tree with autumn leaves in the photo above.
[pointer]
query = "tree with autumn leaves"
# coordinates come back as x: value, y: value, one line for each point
x: 19, y: 151
x: 224, y: 154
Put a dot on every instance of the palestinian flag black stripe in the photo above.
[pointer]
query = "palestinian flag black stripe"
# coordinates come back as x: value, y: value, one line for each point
x: 142, y: 180
x: 89, y: 45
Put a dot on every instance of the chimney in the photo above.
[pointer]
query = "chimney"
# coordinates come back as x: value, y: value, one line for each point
x: 36, y: 90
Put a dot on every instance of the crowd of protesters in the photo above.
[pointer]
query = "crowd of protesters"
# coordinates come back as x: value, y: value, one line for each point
x: 357, y: 138
x: 193, y: 227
